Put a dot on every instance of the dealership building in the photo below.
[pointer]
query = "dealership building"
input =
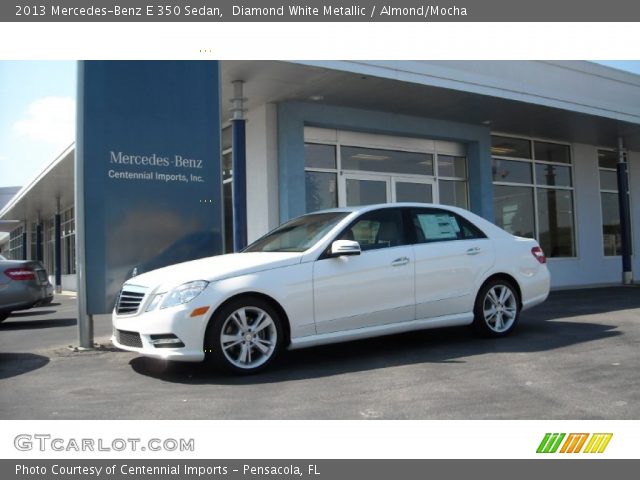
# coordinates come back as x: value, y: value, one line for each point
x: 532, y: 146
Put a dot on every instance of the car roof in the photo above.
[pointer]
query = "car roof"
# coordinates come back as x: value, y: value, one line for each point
x: 486, y: 226
x: 366, y: 208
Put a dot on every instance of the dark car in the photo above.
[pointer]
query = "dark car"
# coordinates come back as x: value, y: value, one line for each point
x: 24, y: 284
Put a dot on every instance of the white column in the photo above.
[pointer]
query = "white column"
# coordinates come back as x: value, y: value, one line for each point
x: 262, y: 171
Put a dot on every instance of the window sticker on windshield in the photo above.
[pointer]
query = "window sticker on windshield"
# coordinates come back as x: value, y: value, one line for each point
x: 438, y: 227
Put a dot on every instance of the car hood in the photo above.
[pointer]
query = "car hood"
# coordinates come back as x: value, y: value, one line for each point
x: 214, y: 268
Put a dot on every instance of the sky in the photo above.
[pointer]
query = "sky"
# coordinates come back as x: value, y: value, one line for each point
x: 37, y: 114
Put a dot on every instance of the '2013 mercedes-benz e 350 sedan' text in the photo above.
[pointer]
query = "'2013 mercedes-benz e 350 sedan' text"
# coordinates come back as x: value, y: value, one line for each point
x: 333, y: 276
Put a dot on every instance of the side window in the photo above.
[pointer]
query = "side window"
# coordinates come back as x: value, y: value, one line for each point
x: 380, y: 229
x: 439, y: 225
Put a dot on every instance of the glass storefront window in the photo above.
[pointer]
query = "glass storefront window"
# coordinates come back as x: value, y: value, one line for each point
x: 366, y: 192
x: 321, y: 190
x: 338, y: 173
x: 319, y: 156
x: 607, y: 159
x: 387, y: 161
x: 541, y: 205
x: 511, y: 171
x: 227, y: 172
x: 453, y: 192
x: 555, y: 221
x: 608, y: 180
x: 449, y: 166
x: 611, y: 231
x: 15, y: 244
x: 553, y: 175
x: 68, y: 242
x: 510, y: 147
x: 552, y: 152
x: 414, y: 192
x: 227, y: 195
x: 513, y: 209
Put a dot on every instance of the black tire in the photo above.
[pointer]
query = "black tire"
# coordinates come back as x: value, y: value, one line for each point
x: 262, y: 340
x: 4, y: 316
x: 46, y: 301
x: 506, y: 310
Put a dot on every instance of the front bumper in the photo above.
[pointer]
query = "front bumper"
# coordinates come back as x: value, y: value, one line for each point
x: 135, y: 333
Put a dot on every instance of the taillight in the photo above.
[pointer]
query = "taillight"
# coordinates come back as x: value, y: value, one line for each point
x: 20, y: 274
x: 539, y: 254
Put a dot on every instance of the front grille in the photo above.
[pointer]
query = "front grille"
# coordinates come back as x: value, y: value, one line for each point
x: 128, y: 302
x: 129, y: 339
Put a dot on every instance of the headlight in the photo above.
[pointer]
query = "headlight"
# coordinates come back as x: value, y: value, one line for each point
x: 184, y: 293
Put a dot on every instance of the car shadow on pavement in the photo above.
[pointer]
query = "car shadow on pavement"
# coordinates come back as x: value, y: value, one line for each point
x: 31, y: 313
x: 35, y: 324
x: 590, y: 301
x: 14, y: 364
x: 451, y: 345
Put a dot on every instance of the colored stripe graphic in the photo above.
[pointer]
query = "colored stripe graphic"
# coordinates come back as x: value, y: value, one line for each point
x: 598, y: 442
x: 574, y: 443
x: 550, y: 442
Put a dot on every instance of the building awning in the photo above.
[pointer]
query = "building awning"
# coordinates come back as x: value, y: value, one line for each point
x: 39, y: 196
x: 570, y: 101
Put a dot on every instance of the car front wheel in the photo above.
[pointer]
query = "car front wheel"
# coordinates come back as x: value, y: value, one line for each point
x: 497, y: 309
x: 244, y: 336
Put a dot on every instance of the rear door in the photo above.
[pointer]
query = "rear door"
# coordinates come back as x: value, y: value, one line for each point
x: 451, y: 256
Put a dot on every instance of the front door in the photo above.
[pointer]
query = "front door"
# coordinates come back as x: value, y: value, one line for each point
x: 365, y: 189
x: 370, y: 289
x: 412, y: 189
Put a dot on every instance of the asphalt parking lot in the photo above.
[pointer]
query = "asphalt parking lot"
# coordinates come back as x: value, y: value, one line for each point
x: 575, y: 357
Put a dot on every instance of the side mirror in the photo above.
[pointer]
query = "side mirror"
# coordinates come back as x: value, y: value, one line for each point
x: 344, y: 247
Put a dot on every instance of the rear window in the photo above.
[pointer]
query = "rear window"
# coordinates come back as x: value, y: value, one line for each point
x: 439, y: 225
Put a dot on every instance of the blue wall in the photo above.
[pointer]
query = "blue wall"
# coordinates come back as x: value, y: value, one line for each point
x: 148, y: 147
x: 294, y: 116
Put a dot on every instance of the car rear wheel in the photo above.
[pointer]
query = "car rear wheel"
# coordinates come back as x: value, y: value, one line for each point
x: 497, y: 309
x: 244, y: 336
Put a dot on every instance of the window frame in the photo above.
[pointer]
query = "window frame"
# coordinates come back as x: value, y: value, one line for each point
x: 405, y: 230
x: 15, y: 243
x: 463, y: 222
x: 535, y: 186
x: 337, y: 143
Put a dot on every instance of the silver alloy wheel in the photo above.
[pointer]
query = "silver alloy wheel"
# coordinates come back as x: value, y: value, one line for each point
x: 500, y: 308
x: 248, y: 337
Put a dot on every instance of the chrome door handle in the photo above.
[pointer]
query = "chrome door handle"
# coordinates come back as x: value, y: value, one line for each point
x: 473, y: 251
x: 400, y: 261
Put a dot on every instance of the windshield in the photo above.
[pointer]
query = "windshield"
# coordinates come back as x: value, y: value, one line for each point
x: 297, y: 235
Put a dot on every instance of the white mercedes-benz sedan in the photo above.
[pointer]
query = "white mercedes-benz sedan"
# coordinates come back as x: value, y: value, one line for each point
x: 333, y: 276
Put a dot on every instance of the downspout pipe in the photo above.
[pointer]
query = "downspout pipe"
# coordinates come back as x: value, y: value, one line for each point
x: 57, y: 248
x: 239, y: 166
x: 625, y: 222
